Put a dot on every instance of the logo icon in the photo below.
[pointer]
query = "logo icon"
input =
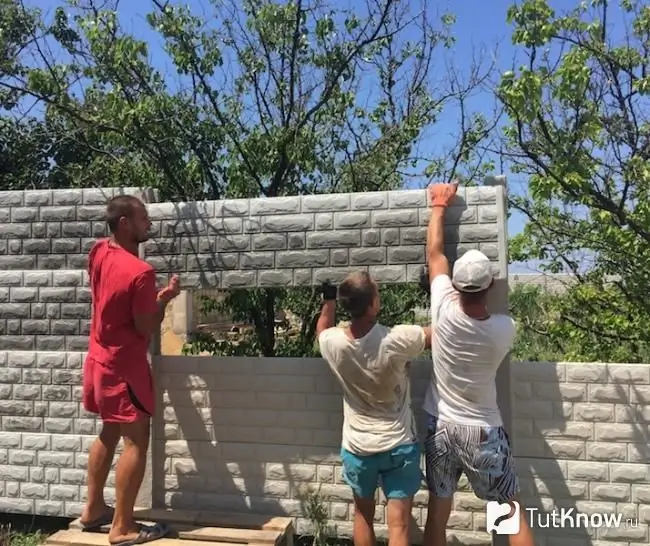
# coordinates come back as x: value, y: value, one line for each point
x: 500, y: 518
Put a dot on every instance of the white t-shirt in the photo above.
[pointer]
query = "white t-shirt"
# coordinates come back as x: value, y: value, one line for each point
x: 467, y: 353
x: 373, y: 372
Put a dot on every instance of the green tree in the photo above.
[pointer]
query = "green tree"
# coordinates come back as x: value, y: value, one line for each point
x: 39, y: 147
x: 543, y: 335
x: 580, y: 132
x: 23, y: 140
x: 267, y: 99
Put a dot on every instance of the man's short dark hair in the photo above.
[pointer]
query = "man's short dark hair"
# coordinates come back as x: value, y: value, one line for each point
x: 357, y: 294
x: 117, y: 207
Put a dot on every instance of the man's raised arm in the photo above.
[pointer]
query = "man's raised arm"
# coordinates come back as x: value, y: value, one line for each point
x: 327, y: 317
x: 440, y: 195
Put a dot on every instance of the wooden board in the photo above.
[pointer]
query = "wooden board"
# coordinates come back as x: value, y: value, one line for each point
x: 209, y: 519
x: 189, y: 528
x: 221, y: 534
x: 80, y: 538
x: 217, y: 519
x: 215, y: 534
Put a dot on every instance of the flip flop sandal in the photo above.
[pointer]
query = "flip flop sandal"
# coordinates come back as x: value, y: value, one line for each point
x: 147, y: 534
x: 105, y: 519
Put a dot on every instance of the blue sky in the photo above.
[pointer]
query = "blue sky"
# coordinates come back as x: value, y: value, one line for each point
x: 480, y: 25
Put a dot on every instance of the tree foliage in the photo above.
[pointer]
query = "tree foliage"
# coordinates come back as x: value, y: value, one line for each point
x: 290, y: 337
x: 580, y: 132
x: 269, y: 98
x: 542, y: 336
x: 246, y: 98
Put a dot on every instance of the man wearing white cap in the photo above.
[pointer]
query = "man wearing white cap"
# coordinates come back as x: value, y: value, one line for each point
x: 465, y: 431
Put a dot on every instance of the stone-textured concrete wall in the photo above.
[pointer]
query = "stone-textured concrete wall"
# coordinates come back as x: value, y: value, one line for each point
x: 250, y: 434
x: 45, y: 237
x: 582, y: 438
x: 299, y: 241
x: 44, y: 320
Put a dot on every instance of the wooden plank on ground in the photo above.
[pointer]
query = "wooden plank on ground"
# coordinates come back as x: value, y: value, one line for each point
x: 81, y: 538
x: 248, y: 521
x: 237, y: 536
x: 212, y: 534
x: 106, y: 528
x: 76, y: 524
x: 215, y: 519
x: 166, y: 515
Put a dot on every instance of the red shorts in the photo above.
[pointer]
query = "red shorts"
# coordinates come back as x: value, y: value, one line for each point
x: 118, y: 397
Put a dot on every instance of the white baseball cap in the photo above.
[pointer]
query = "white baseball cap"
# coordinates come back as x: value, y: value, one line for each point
x: 472, y: 272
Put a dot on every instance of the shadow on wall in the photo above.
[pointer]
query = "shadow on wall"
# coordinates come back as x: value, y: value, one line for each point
x: 566, y: 422
x: 543, y: 440
x: 212, y: 453
x: 576, y: 429
x: 248, y: 434
x: 234, y: 250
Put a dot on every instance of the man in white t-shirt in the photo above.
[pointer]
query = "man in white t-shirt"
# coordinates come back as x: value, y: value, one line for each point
x: 465, y: 431
x: 380, y: 443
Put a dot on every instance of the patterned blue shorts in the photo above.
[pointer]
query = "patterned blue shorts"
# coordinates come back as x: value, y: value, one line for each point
x: 482, y: 453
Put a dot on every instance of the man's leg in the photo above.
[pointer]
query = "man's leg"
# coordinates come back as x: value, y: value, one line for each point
x: 525, y: 535
x: 490, y: 467
x: 435, y: 529
x: 100, y: 459
x: 121, y: 404
x: 361, y: 474
x: 399, y: 513
x: 363, y: 530
x: 400, y: 478
x: 101, y: 453
x: 443, y: 473
x: 128, y: 478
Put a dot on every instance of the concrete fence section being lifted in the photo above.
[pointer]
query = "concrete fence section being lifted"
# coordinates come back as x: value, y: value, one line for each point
x: 45, y: 237
x: 303, y: 240
x: 250, y: 434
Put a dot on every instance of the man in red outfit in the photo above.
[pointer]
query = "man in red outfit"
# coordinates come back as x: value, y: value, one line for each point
x: 117, y: 383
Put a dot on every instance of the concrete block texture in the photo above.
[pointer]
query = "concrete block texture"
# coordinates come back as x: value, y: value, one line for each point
x: 304, y: 240
x: 46, y: 434
x: 45, y: 237
x: 250, y: 434
x: 254, y: 434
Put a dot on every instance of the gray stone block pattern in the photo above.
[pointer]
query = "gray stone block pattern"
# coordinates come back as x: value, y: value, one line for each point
x: 242, y: 432
x: 46, y: 433
x: 45, y: 237
x: 304, y: 240
x: 44, y: 322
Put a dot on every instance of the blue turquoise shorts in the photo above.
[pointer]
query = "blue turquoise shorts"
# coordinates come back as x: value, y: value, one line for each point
x: 398, y: 471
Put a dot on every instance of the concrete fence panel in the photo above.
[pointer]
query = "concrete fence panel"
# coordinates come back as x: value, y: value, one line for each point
x: 255, y: 434
x: 304, y: 240
x: 45, y: 237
